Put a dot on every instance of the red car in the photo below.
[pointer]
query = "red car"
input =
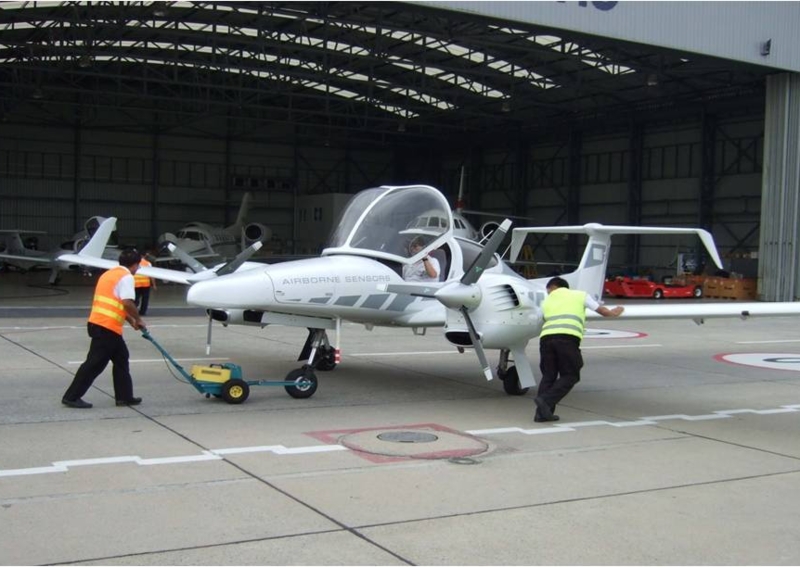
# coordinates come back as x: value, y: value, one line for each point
x: 631, y: 287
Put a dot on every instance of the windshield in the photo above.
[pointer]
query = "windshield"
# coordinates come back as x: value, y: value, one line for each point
x: 386, y: 219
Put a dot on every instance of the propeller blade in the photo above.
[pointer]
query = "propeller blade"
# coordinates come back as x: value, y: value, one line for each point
x: 186, y: 258
x: 410, y: 289
x: 483, y: 259
x: 240, y: 259
x: 476, y: 342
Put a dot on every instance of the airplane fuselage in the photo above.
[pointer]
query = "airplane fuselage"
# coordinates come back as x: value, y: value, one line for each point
x: 329, y: 287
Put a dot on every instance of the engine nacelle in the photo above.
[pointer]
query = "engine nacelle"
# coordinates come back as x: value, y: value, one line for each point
x: 488, y: 228
x: 255, y: 232
x: 506, y: 316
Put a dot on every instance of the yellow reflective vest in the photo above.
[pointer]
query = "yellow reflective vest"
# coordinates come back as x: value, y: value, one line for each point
x: 142, y: 281
x: 564, y: 313
x: 107, y: 309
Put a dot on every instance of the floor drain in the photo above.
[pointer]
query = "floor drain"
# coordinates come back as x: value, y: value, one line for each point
x: 408, y: 437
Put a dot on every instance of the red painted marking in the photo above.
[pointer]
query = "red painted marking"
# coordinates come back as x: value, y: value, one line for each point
x: 333, y: 437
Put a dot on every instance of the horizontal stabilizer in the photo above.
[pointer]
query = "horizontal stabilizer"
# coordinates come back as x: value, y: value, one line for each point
x: 591, y: 229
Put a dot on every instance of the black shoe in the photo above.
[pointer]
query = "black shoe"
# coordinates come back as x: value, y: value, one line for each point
x: 544, y: 409
x: 539, y: 419
x: 131, y: 402
x: 79, y: 403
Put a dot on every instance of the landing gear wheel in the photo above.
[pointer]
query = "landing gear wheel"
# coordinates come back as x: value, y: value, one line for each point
x: 235, y: 391
x: 305, y: 383
x: 325, y: 359
x: 658, y: 294
x: 511, y: 383
x: 698, y: 292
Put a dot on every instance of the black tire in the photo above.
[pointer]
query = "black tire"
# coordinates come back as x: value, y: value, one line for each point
x: 658, y: 294
x: 325, y: 359
x: 235, y: 391
x: 511, y: 383
x: 697, y: 292
x: 306, y: 382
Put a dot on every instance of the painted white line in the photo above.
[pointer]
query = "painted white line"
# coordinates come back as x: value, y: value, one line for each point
x: 218, y: 454
x: 84, y: 327
x: 405, y: 353
x: 136, y: 360
x: 767, y: 342
x: 561, y: 427
x: 604, y: 347
x: 418, y: 353
x: 213, y: 455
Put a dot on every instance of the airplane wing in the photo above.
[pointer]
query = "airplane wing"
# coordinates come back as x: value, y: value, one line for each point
x: 32, y: 259
x: 700, y: 310
x: 91, y: 256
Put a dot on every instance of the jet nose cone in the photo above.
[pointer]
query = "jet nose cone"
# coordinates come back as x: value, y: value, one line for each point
x: 243, y: 290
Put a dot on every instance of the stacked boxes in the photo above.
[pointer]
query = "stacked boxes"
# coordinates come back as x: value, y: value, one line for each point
x: 730, y: 288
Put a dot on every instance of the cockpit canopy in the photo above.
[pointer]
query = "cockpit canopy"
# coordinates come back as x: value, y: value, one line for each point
x: 381, y: 223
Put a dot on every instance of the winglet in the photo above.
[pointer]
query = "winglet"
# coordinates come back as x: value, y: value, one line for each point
x: 97, y: 244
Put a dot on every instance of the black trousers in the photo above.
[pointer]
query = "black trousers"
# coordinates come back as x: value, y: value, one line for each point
x: 106, y: 346
x: 560, y: 361
x: 142, y: 299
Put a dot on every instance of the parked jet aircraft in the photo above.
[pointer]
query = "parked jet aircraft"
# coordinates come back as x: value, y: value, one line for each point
x: 203, y: 241
x: 480, y: 302
x: 24, y: 253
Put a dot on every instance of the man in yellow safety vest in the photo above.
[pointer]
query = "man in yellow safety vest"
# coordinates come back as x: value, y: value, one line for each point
x: 113, y: 304
x: 560, y: 357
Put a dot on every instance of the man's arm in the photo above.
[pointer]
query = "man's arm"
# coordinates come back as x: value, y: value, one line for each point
x: 132, y: 314
x: 606, y: 312
x: 430, y: 268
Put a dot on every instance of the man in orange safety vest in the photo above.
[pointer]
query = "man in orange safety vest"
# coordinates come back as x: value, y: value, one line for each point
x: 113, y: 304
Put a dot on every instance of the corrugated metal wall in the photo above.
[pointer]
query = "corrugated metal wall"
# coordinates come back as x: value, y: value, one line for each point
x: 779, y: 266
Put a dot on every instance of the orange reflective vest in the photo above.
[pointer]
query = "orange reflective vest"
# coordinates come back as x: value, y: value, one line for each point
x: 142, y: 281
x: 107, y: 309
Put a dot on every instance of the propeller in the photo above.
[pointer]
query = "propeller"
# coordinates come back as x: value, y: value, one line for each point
x: 186, y: 258
x: 240, y: 259
x: 228, y: 268
x: 463, y: 295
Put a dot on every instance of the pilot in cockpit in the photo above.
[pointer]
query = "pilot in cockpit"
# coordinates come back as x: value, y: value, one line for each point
x: 424, y: 270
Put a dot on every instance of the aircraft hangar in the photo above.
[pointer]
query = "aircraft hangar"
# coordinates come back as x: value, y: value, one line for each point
x: 679, y: 445
x: 649, y: 113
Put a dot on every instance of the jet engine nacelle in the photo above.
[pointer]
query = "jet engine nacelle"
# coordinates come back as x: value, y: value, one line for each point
x: 255, y: 232
x: 488, y: 228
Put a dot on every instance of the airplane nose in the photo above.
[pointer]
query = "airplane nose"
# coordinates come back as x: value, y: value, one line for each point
x: 244, y: 290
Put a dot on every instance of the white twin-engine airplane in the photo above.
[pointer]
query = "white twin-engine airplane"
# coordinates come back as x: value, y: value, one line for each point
x: 479, y: 301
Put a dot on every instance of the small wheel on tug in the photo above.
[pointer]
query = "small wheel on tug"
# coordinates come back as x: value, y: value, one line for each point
x: 235, y: 391
x: 511, y: 382
x: 305, y: 382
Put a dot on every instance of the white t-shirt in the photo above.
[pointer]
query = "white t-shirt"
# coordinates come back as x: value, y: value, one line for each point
x: 125, y: 287
x: 416, y: 272
x: 591, y: 303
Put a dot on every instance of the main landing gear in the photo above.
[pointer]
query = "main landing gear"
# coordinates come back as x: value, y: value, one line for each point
x: 509, y: 376
x: 319, y: 355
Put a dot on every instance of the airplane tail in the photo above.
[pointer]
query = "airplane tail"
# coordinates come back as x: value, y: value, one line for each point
x: 241, y: 217
x: 97, y: 243
x: 591, y: 272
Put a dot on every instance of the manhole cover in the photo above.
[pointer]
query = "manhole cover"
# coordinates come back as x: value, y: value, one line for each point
x: 408, y: 437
